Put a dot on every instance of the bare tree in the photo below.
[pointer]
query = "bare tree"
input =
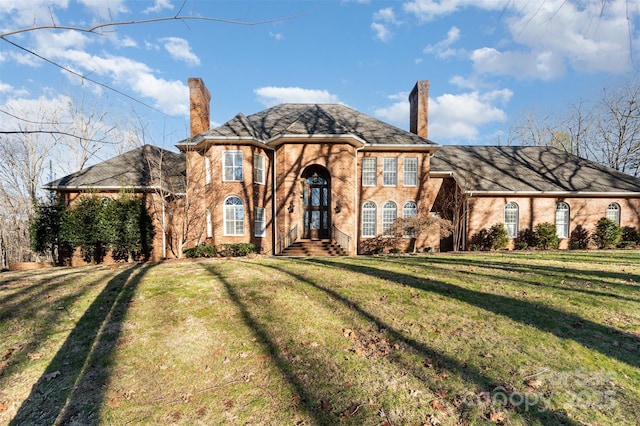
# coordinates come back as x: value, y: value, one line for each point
x: 618, y: 129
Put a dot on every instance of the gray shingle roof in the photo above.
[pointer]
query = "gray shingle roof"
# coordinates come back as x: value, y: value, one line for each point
x: 528, y: 169
x: 138, y: 168
x: 315, y: 119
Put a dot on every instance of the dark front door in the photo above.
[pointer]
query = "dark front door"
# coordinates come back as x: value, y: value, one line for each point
x: 316, y: 207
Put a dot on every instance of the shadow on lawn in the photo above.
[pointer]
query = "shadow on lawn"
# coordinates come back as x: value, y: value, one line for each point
x: 564, y: 325
x: 264, y: 338
x: 71, y: 389
x: 440, y: 360
x: 564, y: 279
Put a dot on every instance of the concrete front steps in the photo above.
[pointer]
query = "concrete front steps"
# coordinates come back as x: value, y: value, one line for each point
x: 315, y: 248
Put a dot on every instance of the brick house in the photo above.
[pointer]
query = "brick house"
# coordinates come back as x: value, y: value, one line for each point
x: 151, y: 173
x: 327, y: 172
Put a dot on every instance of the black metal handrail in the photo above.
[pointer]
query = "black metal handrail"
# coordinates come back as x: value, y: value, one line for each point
x: 342, y: 239
x: 286, y: 240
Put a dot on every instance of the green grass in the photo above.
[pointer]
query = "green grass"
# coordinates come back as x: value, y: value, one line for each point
x: 513, y: 338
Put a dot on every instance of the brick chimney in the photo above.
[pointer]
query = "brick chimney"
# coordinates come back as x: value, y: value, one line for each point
x: 199, y: 99
x: 419, y: 109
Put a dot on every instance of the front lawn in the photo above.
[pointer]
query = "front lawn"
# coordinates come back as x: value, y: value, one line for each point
x: 499, y: 338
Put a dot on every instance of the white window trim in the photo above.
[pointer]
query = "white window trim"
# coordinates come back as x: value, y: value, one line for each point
x: 259, y: 175
x: 226, y: 221
x: 566, y: 219
x: 513, y: 231
x: 414, y: 210
x: 207, y: 169
x: 386, y: 172
x: 374, y: 160
x: 617, y: 210
x: 260, y: 231
x: 375, y: 221
x: 386, y: 224
x: 407, y: 172
x: 224, y: 165
x: 209, y: 224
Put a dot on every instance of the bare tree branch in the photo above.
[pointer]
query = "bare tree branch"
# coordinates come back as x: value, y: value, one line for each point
x: 93, y: 29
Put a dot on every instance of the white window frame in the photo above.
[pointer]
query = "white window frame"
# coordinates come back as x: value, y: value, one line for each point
x: 409, y: 209
x: 390, y: 171
x: 209, y: 224
x: 562, y: 219
x: 369, y: 216
x: 410, y: 171
x: 613, y: 212
x: 233, y: 216
x: 260, y: 222
x: 512, y: 218
x: 232, y: 172
x: 207, y: 169
x: 259, y: 163
x: 369, y: 171
x: 389, y: 215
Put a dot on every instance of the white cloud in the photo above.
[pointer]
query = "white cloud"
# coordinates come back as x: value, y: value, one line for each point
x: 383, y: 19
x: 381, y: 31
x: 277, y: 36
x: 443, y: 49
x: 180, y: 50
x: 386, y: 15
x: 105, y: 9
x: 452, y: 116
x: 545, y: 37
x: 270, y: 96
x: 522, y: 65
x: 159, y: 6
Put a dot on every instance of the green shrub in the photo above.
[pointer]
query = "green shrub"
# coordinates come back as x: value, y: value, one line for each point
x: 607, y: 234
x: 200, y: 251
x: 579, y: 238
x: 237, y: 249
x: 526, y: 239
x: 630, y: 237
x: 545, y: 236
x: 496, y: 238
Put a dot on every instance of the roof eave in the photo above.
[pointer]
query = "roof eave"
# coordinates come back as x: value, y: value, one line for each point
x: 580, y: 194
x: 330, y: 138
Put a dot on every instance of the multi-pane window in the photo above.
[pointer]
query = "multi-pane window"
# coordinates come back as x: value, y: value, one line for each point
x: 260, y: 222
x: 209, y: 224
x: 410, y: 171
x: 409, y: 210
x: 207, y: 169
x: 389, y: 215
x: 232, y: 166
x: 233, y: 216
x: 369, y: 219
x: 369, y: 171
x: 258, y: 168
x: 613, y: 212
x: 511, y: 219
x: 390, y: 172
x: 562, y: 220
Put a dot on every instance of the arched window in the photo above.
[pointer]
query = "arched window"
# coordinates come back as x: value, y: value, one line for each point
x: 389, y: 215
x: 369, y: 219
x: 409, y: 210
x: 613, y: 212
x: 511, y: 219
x: 233, y: 216
x: 562, y: 220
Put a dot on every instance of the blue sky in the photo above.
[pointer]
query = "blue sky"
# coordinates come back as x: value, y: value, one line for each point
x: 488, y: 61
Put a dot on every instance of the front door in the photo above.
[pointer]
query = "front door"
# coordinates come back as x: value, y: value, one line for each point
x: 316, y: 206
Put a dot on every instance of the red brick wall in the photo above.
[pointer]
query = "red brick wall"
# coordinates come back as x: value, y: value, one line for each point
x: 486, y: 211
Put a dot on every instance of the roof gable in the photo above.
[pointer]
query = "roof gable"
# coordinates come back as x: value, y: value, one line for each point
x: 528, y: 169
x: 306, y: 120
